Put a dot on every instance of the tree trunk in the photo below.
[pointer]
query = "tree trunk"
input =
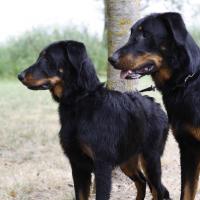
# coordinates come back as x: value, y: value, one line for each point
x: 120, y: 15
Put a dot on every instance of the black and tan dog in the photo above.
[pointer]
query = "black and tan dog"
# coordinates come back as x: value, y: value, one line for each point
x: 160, y: 46
x: 100, y: 129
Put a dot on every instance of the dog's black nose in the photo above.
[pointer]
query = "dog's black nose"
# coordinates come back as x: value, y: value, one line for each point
x: 112, y: 60
x: 21, y: 76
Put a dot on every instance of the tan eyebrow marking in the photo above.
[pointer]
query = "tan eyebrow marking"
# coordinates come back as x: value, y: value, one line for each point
x: 140, y: 28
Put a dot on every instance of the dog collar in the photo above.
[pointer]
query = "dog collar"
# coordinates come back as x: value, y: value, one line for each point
x: 189, y: 78
x: 151, y: 88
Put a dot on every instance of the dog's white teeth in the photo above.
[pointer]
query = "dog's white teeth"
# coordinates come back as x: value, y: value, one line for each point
x: 123, y: 74
x: 129, y: 72
x: 151, y: 67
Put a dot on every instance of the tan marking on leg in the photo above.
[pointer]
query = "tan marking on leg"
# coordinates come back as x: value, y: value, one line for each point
x: 187, y: 192
x: 154, y: 193
x: 143, y: 165
x: 130, y: 168
x: 194, y: 131
x: 81, y: 197
x: 190, y: 188
x: 140, y: 190
x: 87, y: 150
x: 153, y: 190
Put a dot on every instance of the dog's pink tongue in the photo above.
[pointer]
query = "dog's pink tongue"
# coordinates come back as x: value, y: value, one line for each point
x: 125, y: 73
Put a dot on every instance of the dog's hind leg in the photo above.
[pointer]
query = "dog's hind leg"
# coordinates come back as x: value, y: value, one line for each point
x: 103, y: 174
x: 190, y: 167
x: 82, y: 182
x: 152, y: 167
x: 132, y: 170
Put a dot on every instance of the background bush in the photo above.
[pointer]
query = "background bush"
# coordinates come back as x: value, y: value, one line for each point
x: 19, y: 53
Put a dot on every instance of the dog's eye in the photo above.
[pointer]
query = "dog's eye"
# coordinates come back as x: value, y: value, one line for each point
x: 146, y: 34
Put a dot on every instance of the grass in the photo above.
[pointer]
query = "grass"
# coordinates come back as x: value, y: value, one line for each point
x: 32, y: 165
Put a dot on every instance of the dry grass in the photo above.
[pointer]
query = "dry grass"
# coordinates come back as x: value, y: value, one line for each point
x: 32, y: 165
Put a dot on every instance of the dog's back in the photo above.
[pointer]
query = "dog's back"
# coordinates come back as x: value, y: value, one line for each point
x: 156, y: 127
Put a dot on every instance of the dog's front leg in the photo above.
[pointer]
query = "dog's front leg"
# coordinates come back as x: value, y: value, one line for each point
x: 82, y: 182
x: 103, y: 173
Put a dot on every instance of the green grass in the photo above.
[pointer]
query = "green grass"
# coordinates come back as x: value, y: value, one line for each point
x: 20, y: 52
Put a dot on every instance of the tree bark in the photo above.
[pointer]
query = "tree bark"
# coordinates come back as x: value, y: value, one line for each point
x: 120, y: 15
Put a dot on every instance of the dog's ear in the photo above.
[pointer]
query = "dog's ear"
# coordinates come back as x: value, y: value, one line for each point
x: 176, y: 26
x: 77, y: 54
x: 188, y: 47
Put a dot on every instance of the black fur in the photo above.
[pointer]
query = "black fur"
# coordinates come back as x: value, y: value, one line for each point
x: 100, y: 128
x: 181, y: 57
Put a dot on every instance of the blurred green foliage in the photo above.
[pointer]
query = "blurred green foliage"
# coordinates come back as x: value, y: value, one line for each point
x: 196, y: 34
x: 19, y: 53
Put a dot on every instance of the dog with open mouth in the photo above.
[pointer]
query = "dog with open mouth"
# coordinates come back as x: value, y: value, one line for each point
x: 100, y: 128
x: 161, y: 46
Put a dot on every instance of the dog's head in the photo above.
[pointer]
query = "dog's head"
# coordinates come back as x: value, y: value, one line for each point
x: 61, y: 65
x: 159, y: 45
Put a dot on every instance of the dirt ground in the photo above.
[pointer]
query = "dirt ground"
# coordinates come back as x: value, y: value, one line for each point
x: 32, y: 164
x: 124, y: 189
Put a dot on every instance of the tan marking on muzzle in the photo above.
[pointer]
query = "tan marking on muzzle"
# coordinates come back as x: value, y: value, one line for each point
x: 131, y: 62
x: 30, y: 81
x: 54, y: 80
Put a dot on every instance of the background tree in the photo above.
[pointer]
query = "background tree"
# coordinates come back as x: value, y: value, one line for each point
x: 119, y: 16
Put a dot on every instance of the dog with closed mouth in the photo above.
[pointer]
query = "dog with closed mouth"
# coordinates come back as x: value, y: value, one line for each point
x: 161, y: 46
x: 100, y: 128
